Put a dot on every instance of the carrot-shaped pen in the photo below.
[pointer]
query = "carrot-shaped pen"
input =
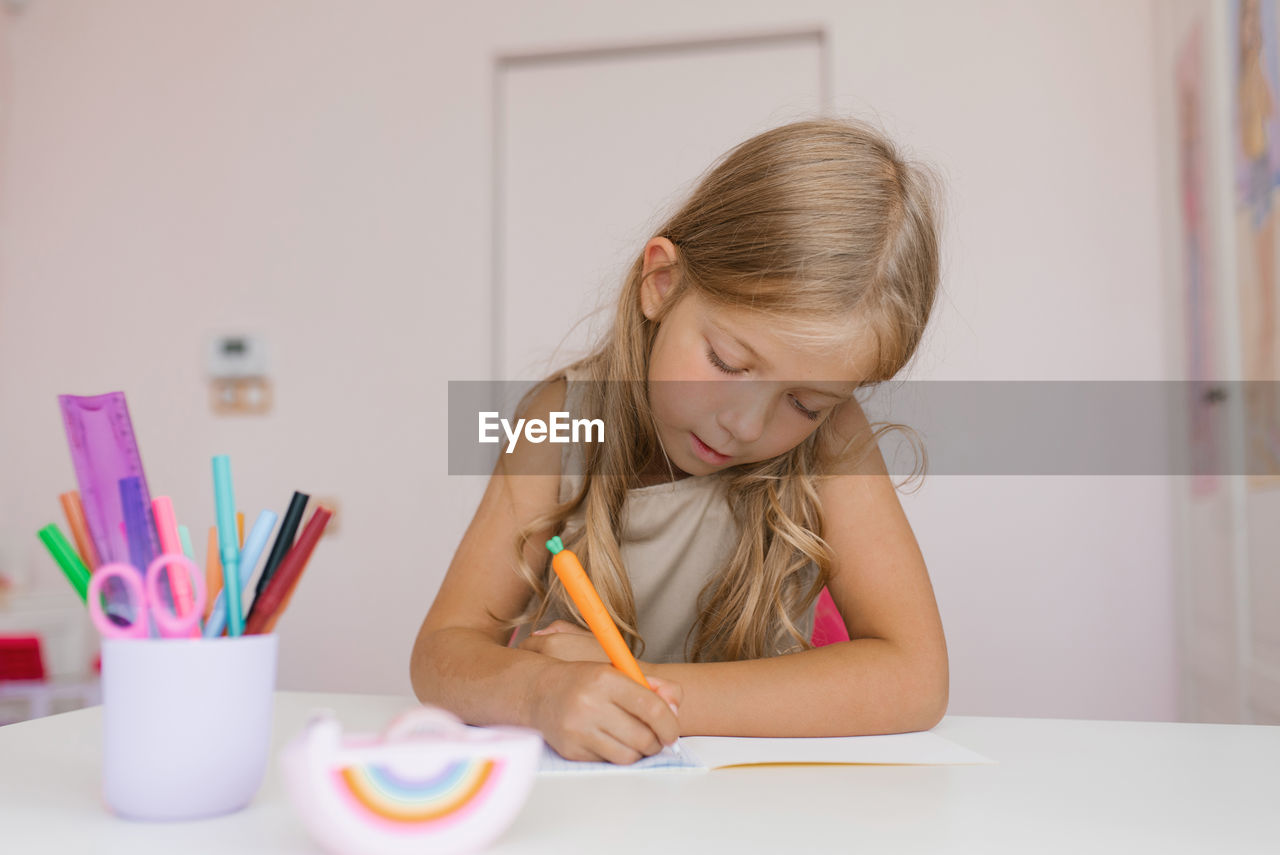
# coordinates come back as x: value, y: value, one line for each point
x: 583, y: 593
x: 584, y: 596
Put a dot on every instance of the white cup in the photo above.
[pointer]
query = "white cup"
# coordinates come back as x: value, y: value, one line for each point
x: 186, y: 724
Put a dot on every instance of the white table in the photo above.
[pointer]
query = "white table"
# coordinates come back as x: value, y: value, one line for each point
x: 1059, y: 786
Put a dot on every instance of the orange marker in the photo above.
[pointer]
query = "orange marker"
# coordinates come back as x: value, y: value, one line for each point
x: 212, y: 572
x: 583, y: 593
x: 74, y: 510
x: 240, y: 526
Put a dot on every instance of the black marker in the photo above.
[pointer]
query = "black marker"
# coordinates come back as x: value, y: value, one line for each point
x: 284, y: 540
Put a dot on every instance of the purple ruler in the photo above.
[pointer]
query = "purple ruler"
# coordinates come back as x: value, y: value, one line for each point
x: 104, y: 450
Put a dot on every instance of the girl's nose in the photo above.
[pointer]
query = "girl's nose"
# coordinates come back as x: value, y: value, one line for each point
x: 745, y: 418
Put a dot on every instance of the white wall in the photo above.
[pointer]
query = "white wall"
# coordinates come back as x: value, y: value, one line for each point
x: 319, y: 172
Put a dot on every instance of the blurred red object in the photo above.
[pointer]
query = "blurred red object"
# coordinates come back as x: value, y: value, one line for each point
x: 20, y: 658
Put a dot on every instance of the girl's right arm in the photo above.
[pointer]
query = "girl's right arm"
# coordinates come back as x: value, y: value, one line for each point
x: 461, y: 661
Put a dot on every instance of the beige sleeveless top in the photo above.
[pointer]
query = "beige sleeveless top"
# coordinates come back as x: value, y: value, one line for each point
x: 676, y: 536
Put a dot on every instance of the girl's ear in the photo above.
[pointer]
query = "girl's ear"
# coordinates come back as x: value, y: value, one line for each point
x: 659, y: 275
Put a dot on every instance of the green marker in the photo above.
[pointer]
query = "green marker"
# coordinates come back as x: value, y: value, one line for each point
x: 65, y: 554
x: 184, y: 536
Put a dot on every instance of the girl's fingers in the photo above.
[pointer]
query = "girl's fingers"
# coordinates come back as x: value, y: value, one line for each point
x: 632, y: 732
x: 652, y: 711
x: 635, y: 723
x: 668, y: 691
x: 576, y: 752
x: 623, y: 739
x: 605, y: 748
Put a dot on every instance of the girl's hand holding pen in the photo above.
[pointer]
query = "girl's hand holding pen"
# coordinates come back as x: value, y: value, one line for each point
x: 592, y: 711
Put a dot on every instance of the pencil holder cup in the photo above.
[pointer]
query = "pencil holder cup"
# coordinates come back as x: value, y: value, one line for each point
x: 428, y: 783
x: 186, y: 724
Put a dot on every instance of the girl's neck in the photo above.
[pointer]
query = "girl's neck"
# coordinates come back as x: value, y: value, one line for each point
x: 660, y: 471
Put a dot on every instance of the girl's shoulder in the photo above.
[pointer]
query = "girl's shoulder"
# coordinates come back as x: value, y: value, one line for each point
x: 537, y: 458
x: 847, y: 444
x: 545, y: 397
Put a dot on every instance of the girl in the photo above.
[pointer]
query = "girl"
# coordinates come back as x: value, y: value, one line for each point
x: 738, y: 477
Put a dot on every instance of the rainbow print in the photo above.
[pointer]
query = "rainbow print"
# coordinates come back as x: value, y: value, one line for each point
x: 394, y: 802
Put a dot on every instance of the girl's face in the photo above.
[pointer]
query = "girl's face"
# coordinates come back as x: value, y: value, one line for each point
x: 727, y: 390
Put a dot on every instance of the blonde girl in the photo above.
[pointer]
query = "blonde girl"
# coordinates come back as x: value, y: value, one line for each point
x: 738, y: 477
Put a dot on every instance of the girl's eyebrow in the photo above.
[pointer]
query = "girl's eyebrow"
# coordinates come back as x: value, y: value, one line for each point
x: 836, y: 396
x: 742, y: 344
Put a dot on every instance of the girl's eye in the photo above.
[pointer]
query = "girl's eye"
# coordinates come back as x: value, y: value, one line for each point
x: 811, y: 415
x: 719, y: 363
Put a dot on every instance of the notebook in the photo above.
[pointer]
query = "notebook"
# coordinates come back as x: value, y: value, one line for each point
x: 703, y: 753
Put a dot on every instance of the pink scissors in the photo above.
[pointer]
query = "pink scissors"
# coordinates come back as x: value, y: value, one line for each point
x: 144, y: 595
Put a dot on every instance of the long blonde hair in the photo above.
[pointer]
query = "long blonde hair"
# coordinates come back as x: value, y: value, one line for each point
x: 813, y: 221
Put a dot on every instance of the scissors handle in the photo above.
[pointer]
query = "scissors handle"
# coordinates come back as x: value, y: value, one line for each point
x: 170, y: 624
x: 137, y: 600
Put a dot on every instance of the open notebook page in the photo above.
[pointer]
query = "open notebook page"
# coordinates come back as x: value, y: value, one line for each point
x: 717, y: 752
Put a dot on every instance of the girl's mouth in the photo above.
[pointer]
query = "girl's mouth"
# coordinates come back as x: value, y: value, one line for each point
x: 706, y: 452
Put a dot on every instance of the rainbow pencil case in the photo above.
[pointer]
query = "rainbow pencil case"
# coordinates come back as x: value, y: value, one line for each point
x: 428, y: 783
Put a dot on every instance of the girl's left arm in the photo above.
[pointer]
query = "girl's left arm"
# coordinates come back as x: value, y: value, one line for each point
x: 891, y: 677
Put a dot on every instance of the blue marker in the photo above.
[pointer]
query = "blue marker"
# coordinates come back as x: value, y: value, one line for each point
x: 228, y: 542
x: 254, y: 545
x: 137, y: 522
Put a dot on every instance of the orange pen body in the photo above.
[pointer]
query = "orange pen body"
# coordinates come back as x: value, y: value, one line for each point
x: 574, y: 578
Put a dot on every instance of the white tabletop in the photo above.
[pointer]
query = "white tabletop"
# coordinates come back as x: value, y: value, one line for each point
x: 1057, y: 786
